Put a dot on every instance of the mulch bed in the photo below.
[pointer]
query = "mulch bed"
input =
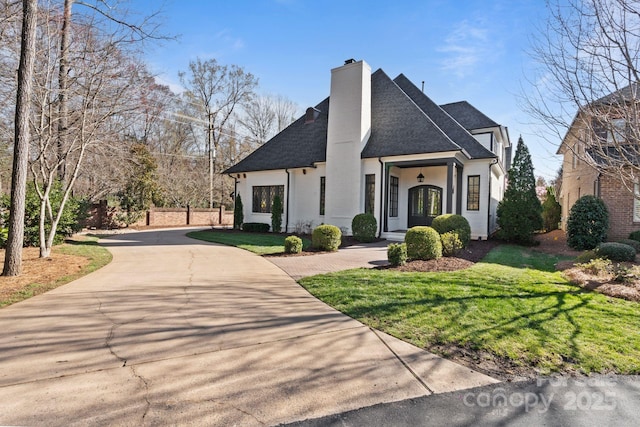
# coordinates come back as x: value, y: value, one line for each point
x: 474, y: 252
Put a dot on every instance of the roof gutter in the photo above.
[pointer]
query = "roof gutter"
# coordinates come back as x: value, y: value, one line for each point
x: 235, y: 196
x: 286, y: 214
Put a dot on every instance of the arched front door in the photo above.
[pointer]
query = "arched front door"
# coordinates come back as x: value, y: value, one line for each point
x: 425, y: 203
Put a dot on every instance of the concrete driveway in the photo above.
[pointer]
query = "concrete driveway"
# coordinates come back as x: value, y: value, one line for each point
x: 178, y: 331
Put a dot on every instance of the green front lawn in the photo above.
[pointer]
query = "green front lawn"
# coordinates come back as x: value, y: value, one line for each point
x: 512, y: 305
x: 258, y: 243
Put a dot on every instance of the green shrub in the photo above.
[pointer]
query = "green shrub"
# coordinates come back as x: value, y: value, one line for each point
x: 397, y: 254
x: 238, y: 213
x: 616, y: 251
x: 588, y: 223
x: 364, y: 227
x: 74, y: 212
x: 586, y: 256
x: 596, y: 266
x: 633, y: 243
x: 292, y: 245
x: 635, y: 235
x: 551, y: 211
x: 452, y: 222
x: 326, y: 237
x: 451, y: 243
x: 423, y: 243
x: 255, y: 227
x: 276, y: 215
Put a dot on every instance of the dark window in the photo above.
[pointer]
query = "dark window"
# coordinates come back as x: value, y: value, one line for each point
x: 369, y: 193
x: 393, y: 196
x: 263, y: 196
x: 473, y: 193
x: 323, y: 182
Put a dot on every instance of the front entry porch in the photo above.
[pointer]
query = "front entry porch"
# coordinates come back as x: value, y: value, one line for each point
x: 415, y: 192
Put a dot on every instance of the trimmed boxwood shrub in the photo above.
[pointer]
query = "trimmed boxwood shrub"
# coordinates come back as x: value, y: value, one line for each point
x: 364, y: 227
x: 588, y: 223
x: 635, y: 235
x: 451, y: 243
x: 616, y: 251
x: 452, y: 222
x: 423, y: 243
x: 292, y: 245
x: 633, y: 243
x: 255, y: 227
x: 397, y: 254
x: 326, y: 237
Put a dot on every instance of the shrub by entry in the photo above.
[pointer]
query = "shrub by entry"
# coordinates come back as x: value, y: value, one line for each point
x: 451, y: 243
x: 423, y: 243
x: 326, y: 237
x: 455, y: 223
x: 292, y: 245
x: 397, y: 254
x: 364, y: 227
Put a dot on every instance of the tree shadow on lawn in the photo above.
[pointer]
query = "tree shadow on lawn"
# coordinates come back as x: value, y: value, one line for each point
x: 538, y: 330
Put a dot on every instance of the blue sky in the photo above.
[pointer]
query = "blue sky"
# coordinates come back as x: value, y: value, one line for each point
x: 474, y: 50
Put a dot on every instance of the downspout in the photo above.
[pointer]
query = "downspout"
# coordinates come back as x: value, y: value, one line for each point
x: 286, y: 215
x: 383, y: 199
x: 235, y: 196
x: 493, y: 162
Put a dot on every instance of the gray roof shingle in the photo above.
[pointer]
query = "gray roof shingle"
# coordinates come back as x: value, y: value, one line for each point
x: 299, y: 145
x: 399, y: 126
x: 443, y: 120
x: 468, y: 115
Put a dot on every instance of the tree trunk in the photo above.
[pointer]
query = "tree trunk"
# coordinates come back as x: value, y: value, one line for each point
x: 13, y: 256
x: 63, y: 84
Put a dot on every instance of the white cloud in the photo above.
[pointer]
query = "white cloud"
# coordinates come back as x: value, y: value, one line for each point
x: 465, y: 47
x: 235, y: 43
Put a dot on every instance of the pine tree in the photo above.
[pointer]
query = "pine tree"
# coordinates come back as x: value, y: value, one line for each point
x: 520, y: 211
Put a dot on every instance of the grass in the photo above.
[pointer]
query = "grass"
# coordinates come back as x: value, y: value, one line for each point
x: 86, y: 247
x: 258, y: 243
x: 512, y: 305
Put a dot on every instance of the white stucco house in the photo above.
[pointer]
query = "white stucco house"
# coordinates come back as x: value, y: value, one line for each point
x: 381, y: 146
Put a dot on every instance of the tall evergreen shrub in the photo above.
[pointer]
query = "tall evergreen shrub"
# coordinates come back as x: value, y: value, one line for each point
x: 587, y: 224
x: 551, y: 211
x: 238, y: 213
x: 520, y: 211
x: 276, y: 215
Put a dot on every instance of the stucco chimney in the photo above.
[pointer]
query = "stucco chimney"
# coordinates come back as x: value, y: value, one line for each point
x: 348, y: 131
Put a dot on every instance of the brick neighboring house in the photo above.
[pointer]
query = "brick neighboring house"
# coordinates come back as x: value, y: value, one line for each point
x: 582, y: 167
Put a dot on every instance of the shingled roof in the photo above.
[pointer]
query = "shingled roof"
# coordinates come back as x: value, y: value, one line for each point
x: 399, y: 126
x: 299, y: 145
x: 444, y: 121
x: 403, y: 121
x: 468, y: 115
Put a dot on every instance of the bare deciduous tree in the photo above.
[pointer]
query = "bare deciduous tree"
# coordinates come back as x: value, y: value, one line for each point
x: 216, y: 91
x: 587, y: 89
x: 267, y: 115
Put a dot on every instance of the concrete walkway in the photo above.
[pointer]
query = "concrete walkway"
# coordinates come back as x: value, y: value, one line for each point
x: 178, y: 331
x: 361, y: 256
